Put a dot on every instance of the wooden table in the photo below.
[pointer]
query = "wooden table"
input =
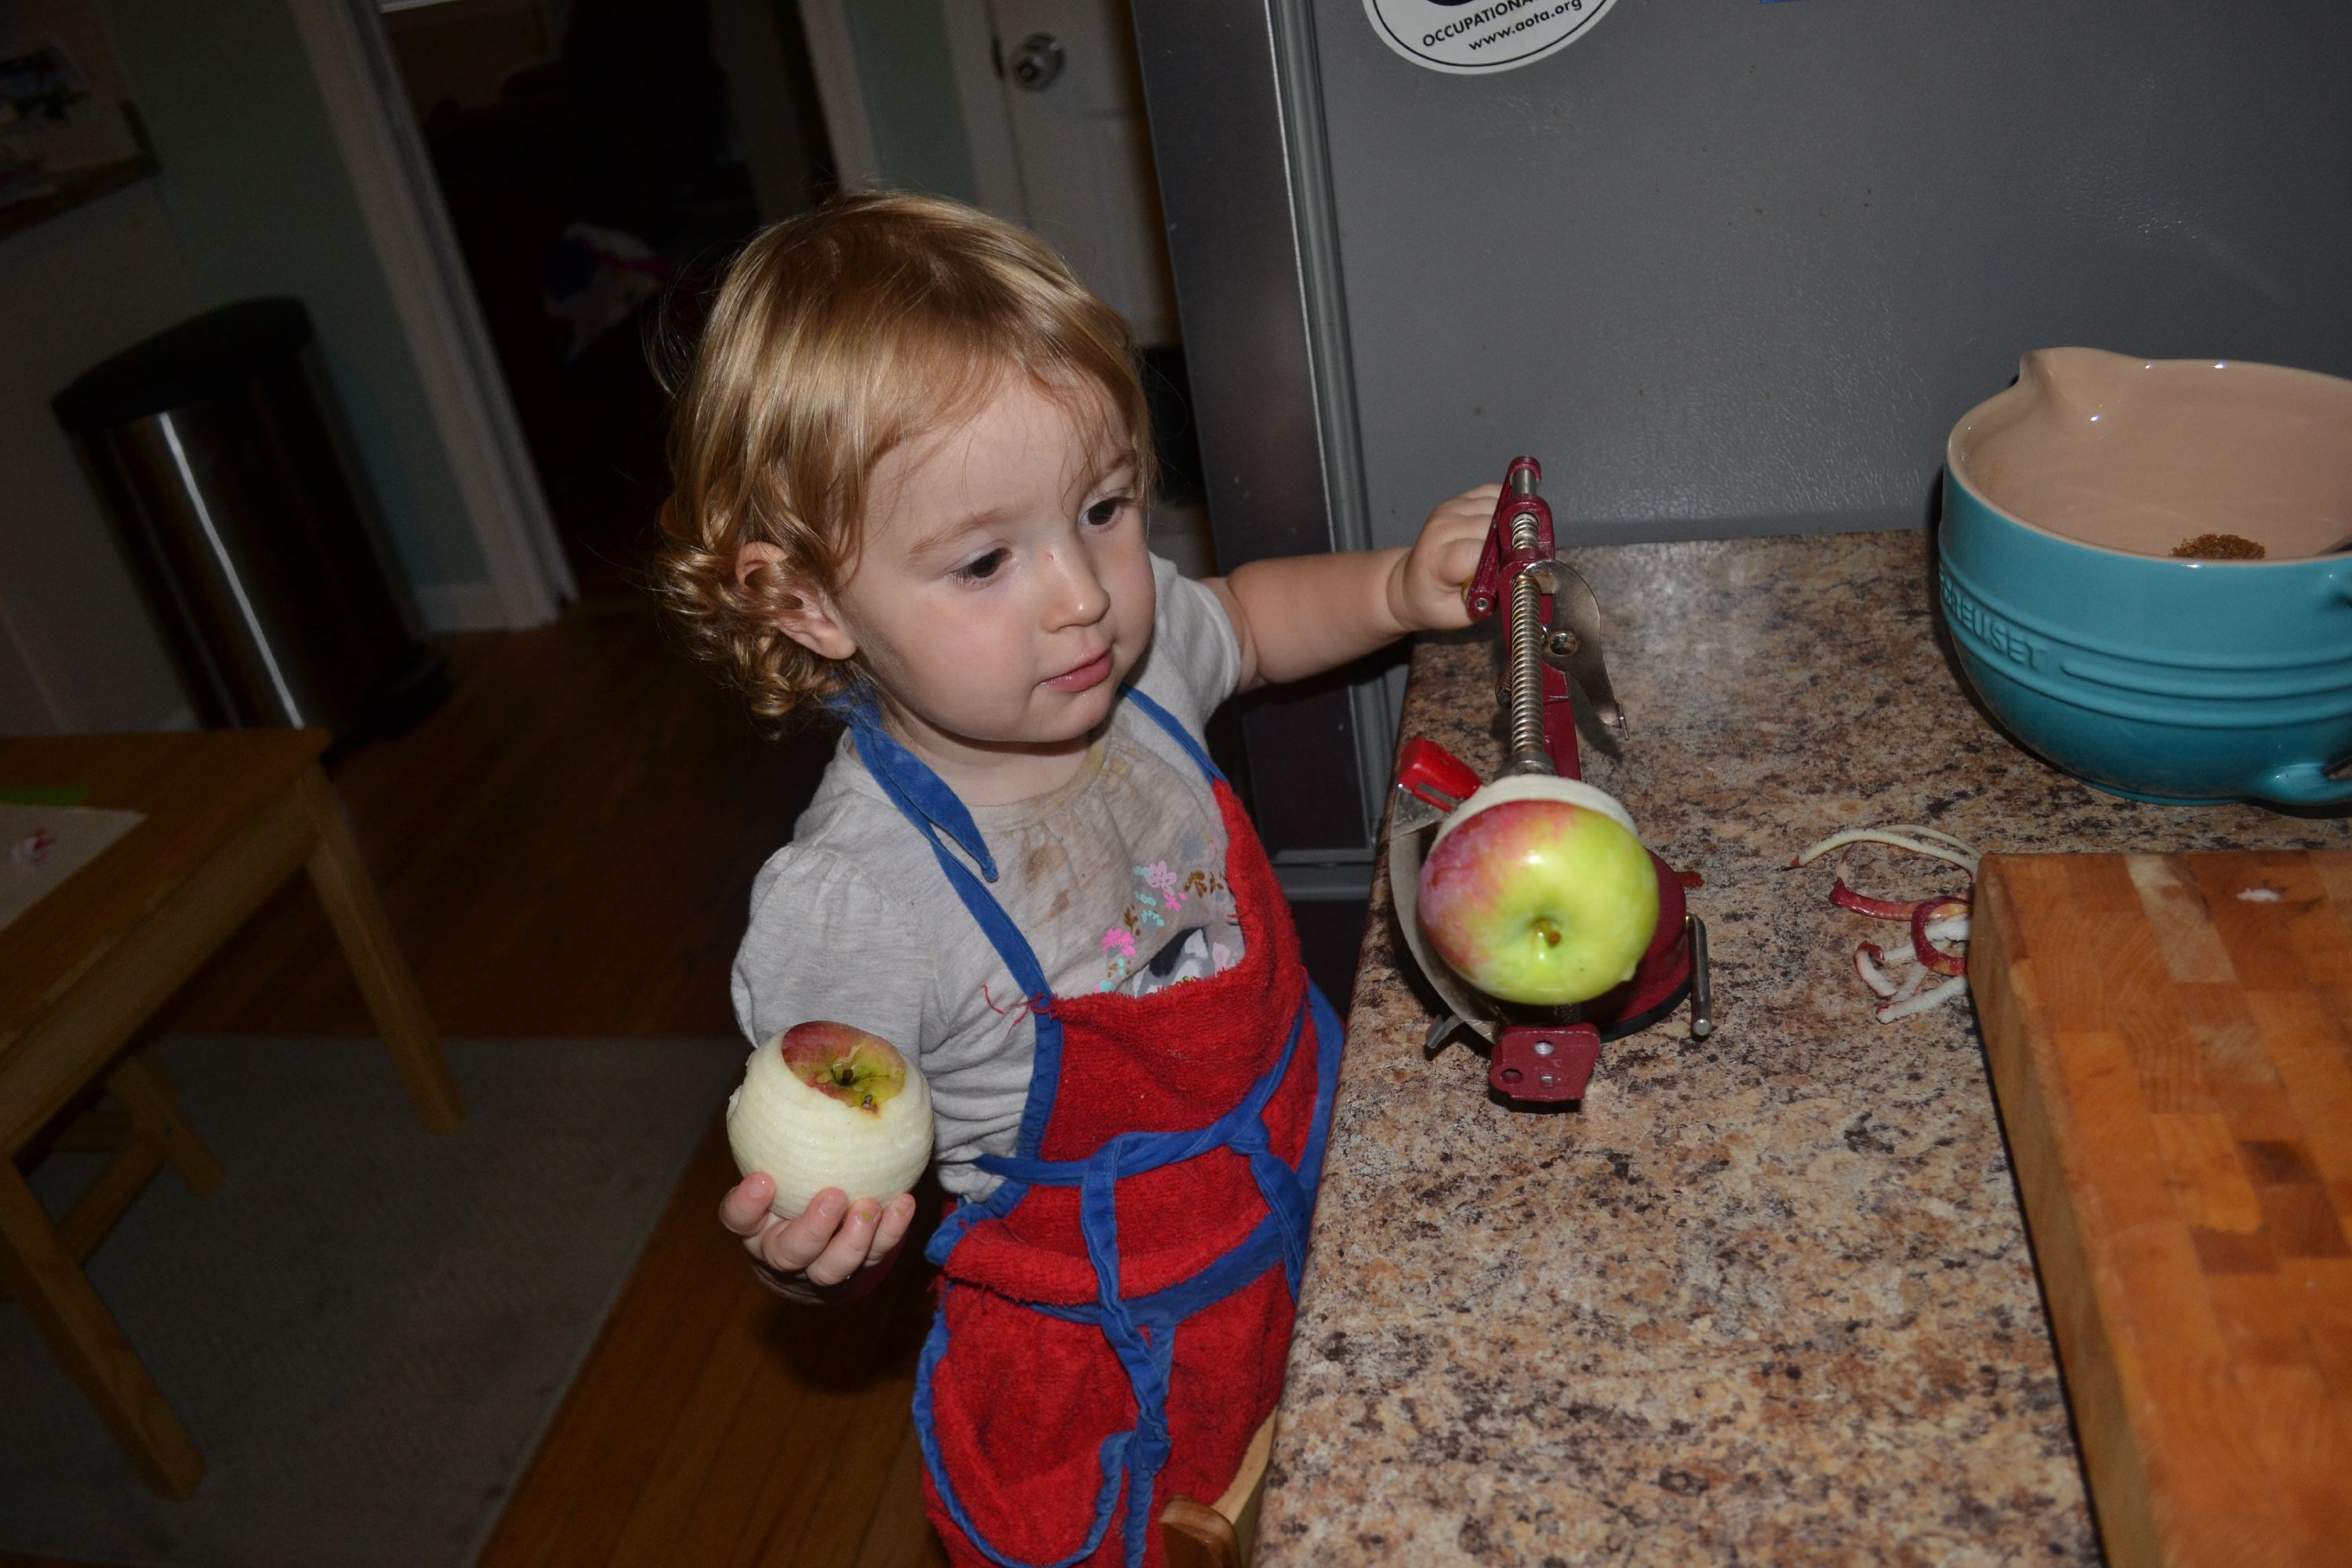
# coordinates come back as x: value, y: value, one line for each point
x: 229, y: 816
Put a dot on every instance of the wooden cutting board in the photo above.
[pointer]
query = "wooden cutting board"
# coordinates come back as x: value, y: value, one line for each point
x: 2171, y: 1044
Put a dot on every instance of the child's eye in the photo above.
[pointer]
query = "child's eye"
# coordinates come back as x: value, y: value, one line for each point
x: 1105, y: 512
x: 981, y: 569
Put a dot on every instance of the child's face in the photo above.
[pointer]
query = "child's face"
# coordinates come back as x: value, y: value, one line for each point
x: 1003, y: 591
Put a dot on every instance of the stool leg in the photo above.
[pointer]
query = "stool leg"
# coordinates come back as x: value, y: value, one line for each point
x: 87, y: 1342
x: 340, y: 878
x: 139, y: 1086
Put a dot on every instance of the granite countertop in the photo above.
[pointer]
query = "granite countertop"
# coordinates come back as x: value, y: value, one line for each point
x: 1764, y: 1297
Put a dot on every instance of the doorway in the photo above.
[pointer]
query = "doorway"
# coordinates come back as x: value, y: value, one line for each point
x: 598, y: 162
x: 1033, y: 110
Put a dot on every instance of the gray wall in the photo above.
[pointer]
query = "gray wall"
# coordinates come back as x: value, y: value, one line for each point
x: 77, y: 652
x: 1725, y: 268
x: 1738, y: 267
x: 252, y: 199
x: 260, y: 204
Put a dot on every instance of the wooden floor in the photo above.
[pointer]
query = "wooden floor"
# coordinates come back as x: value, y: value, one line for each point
x: 565, y: 849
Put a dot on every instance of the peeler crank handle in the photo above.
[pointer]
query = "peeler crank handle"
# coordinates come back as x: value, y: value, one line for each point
x: 1701, y: 989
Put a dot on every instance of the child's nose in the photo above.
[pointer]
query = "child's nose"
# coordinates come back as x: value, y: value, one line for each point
x: 1079, y: 598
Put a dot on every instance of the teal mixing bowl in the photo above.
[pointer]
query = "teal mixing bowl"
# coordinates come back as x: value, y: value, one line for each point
x: 2166, y: 679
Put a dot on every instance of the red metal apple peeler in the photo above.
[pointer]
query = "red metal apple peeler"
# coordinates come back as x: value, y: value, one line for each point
x: 1551, y: 627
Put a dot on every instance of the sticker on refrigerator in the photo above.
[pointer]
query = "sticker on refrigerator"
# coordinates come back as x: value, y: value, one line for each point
x: 1466, y: 37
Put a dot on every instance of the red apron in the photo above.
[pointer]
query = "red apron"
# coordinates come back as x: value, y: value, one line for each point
x: 1114, y: 1317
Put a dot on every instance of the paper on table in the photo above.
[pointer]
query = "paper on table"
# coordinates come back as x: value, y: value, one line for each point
x: 81, y: 835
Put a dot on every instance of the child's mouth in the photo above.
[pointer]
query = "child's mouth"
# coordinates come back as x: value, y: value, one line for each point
x: 1094, y: 672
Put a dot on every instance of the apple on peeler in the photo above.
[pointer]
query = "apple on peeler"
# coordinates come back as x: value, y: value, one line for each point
x: 1538, y: 890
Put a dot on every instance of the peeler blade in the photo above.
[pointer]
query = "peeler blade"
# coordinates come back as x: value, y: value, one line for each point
x: 1406, y: 846
x: 1575, y: 610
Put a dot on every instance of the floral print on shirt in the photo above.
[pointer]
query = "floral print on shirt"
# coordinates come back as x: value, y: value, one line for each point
x: 1179, y: 923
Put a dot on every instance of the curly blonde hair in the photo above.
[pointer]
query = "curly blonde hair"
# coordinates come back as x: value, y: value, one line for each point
x: 835, y: 338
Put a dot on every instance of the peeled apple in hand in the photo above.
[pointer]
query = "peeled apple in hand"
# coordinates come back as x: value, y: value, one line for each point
x: 824, y: 1105
x: 1537, y: 891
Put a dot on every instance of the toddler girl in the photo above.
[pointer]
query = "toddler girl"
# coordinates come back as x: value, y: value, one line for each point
x: 912, y: 464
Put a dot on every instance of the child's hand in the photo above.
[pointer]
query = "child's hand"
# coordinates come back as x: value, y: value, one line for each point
x: 834, y: 1241
x: 1427, y: 585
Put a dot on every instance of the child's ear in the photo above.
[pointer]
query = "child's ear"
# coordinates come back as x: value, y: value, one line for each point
x: 805, y: 612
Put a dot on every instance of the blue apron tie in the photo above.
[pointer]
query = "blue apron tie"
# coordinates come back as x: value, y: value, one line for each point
x: 1148, y: 1445
x: 1142, y: 1332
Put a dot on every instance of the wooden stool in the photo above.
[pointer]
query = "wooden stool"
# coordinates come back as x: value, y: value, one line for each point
x: 1219, y: 1535
x: 144, y: 1131
x: 229, y: 816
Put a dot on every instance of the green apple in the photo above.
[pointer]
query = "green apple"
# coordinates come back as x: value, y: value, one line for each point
x: 1538, y: 890
x: 826, y: 1105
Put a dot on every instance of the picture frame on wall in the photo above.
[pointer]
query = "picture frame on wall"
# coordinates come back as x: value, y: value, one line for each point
x: 68, y: 130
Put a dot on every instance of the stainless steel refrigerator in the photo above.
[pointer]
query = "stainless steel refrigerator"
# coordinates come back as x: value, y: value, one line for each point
x: 1727, y: 267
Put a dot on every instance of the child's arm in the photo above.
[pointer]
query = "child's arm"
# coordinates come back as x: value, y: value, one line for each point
x: 836, y: 1251
x: 1298, y: 615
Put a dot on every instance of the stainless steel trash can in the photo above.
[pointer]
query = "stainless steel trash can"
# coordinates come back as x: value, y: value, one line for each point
x: 221, y: 458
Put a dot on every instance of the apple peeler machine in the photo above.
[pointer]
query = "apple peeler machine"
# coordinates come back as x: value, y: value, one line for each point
x: 1550, y: 628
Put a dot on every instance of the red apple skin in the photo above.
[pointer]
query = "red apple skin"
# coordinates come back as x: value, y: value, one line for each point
x: 847, y: 1064
x: 1482, y: 888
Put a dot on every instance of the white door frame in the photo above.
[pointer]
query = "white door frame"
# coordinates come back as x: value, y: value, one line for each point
x: 393, y: 178
x: 833, y: 56
x: 987, y: 122
x: 979, y: 100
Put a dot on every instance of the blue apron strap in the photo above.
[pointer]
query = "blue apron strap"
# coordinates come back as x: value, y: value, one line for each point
x: 1138, y: 1454
x: 1289, y: 1192
x: 1289, y: 1201
x: 920, y: 793
x: 1147, y: 1454
x: 1136, y: 1152
x: 1285, y: 1200
x: 927, y: 803
x: 1183, y: 737
x: 1113, y: 1459
x: 924, y: 799
x: 1331, y: 1042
